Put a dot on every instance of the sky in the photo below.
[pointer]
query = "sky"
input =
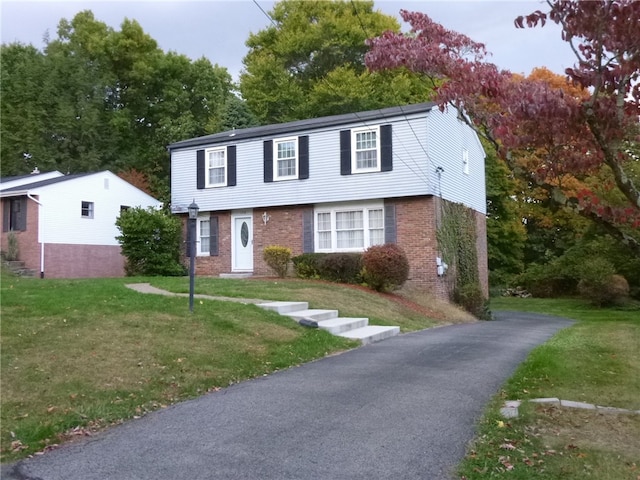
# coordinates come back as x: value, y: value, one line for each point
x: 218, y: 29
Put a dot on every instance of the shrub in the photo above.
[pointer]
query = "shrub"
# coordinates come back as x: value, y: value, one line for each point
x: 277, y: 258
x: 553, y: 279
x: 150, y: 241
x: 13, y: 250
x: 385, y: 267
x: 341, y: 267
x: 307, y: 265
x: 600, y: 285
x: 470, y: 297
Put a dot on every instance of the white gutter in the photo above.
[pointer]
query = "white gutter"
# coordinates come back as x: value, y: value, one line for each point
x: 40, y: 233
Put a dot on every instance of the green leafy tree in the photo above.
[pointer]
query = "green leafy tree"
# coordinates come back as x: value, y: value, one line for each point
x: 22, y: 109
x: 150, y: 241
x: 98, y: 98
x: 310, y: 62
x: 506, y: 234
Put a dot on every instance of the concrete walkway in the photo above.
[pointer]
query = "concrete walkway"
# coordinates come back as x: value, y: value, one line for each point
x: 148, y: 288
x: 400, y: 409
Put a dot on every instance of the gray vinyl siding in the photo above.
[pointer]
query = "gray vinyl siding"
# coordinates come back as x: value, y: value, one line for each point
x: 412, y: 173
x: 446, y: 138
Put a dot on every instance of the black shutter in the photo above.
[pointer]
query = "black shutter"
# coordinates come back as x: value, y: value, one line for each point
x: 303, y: 157
x: 307, y: 230
x: 6, y: 213
x: 213, y: 235
x: 187, y: 250
x: 268, y: 160
x: 200, y: 169
x: 390, y: 223
x: 345, y: 152
x: 386, y: 149
x: 231, y: 166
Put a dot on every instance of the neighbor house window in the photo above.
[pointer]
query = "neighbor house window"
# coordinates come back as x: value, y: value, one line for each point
x: 216, y: 167
x: 347, y: 228
x: 365, y: 143
x: 204, y: 234
x: 15, y: 215
x: 285, y: 153
x: 87, y: 210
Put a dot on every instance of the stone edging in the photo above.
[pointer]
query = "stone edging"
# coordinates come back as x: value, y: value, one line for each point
x: 510, y: 408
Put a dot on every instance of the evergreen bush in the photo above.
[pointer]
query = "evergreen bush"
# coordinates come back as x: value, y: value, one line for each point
x: 341, y: 267
x: 150, y: 241
x: 600, y: 285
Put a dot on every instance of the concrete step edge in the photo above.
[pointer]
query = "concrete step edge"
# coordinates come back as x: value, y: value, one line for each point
x: 342, y: 324
x: 371, y: 333
x: 284, y: 307
x: 313, y: 314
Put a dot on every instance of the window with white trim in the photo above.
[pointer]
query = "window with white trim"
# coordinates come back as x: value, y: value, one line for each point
x: 465, y: 161
x: 87, y: 210
x: 365, y: 146
x: 349, y: 228
x: 204, y: 235
x: 216, y: 167
x: 285, y: 155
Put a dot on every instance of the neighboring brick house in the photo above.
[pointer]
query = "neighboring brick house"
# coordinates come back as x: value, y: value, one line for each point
x: 332, y: 184
x: 65, y: 224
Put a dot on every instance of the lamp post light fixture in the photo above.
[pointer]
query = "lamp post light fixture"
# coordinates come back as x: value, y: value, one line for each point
x: 193, y: 217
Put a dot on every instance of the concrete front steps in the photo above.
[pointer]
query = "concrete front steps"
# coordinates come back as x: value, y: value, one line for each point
x: 353, y: 328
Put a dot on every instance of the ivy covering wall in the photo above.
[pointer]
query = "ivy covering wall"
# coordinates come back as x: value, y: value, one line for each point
x: 456, y: 235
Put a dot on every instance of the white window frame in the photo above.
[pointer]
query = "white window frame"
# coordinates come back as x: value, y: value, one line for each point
x: 90, y: 209
x: 199, y: 250
x: 465, y: 161
x: 276, y: 142
x: 354, y: 149
x: 208, y: 167
x: 333, y: 210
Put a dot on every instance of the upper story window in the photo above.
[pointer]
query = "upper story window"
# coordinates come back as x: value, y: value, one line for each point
x: 216, y: 167
x: 87, y: 210
x: 366, y: 149
x: 285, y: 154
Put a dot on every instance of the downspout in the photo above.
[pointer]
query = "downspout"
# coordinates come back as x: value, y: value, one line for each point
x: 40, y: 233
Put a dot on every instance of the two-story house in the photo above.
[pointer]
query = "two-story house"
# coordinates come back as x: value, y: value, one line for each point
x: 65, y: 224
x: 332, y: 184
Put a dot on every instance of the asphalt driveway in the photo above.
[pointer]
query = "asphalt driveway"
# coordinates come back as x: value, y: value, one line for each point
x: 403, y: 408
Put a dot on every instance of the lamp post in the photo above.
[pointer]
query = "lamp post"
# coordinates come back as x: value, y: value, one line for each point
x: 193, y: 217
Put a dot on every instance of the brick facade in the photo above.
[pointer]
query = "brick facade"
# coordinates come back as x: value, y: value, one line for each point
x: 416, y: 221
x: 29, y: 248
x: 83, y: 261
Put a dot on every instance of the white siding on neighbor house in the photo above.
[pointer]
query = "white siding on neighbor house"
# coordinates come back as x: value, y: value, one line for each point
x: 421, y: 143
x: 60, y: 219
x: 410, y: 174
x: 447, y: 138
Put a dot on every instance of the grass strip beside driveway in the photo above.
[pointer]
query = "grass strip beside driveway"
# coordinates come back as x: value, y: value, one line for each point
x: 595, y: 361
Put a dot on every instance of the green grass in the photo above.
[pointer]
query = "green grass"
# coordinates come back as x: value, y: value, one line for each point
x: 595, y: 361
x: 80, y: 355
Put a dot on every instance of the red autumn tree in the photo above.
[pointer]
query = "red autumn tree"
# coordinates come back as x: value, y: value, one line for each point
x: 593, y: 133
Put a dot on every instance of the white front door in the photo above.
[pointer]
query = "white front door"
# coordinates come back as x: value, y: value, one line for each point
x: 242, y: 243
